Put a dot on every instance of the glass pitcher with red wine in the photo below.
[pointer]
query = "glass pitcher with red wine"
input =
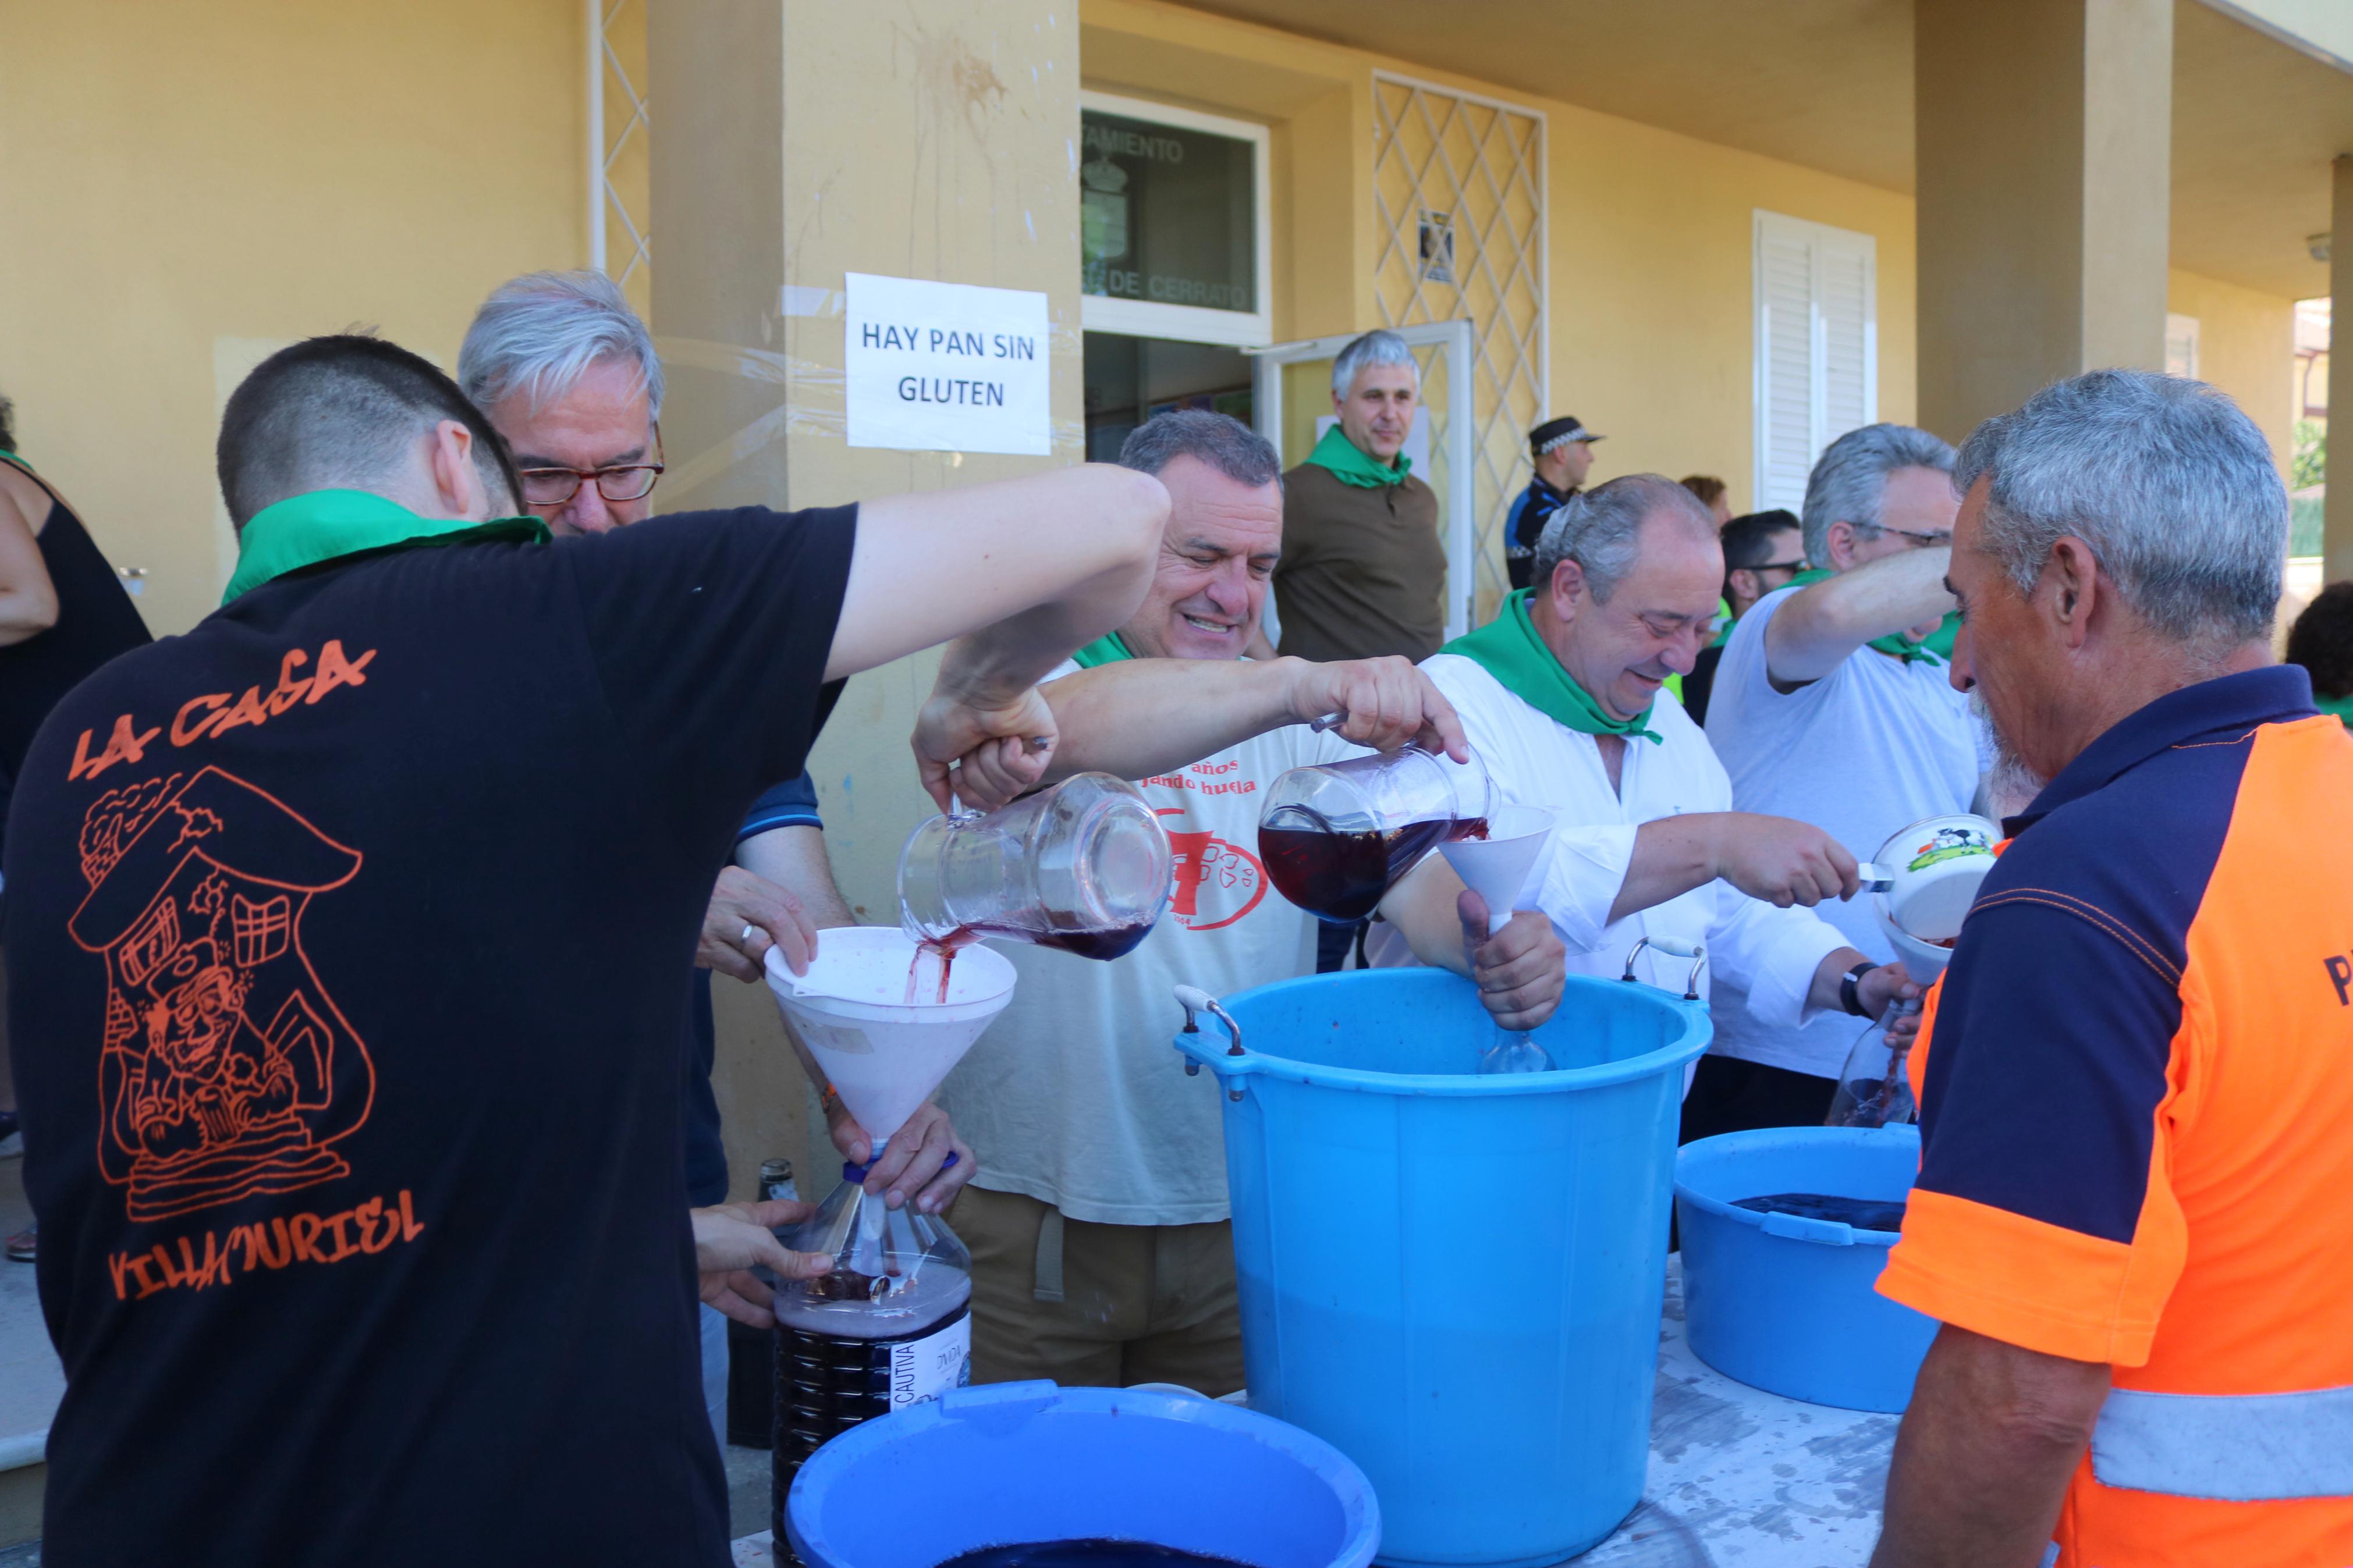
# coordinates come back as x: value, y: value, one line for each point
x: 1336, y: 837
x: 1083, y: 867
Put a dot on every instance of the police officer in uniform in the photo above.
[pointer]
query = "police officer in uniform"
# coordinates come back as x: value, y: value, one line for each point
x: 1563, y: 452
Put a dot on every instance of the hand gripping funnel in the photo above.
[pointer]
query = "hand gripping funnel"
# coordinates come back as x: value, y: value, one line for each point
x: 1506, y: 868
x: 882, y: 1053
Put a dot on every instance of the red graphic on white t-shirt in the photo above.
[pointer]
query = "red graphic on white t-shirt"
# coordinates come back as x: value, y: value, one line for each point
x: 1217, y: 881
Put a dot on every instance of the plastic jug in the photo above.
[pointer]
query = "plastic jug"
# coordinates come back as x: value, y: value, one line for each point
x: 1083, y: 867
x: 1336, y: 837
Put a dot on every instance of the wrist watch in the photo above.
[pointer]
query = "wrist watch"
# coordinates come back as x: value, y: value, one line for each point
x: 1850, y: 997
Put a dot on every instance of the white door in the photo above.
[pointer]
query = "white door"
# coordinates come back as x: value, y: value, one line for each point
x: 1291, y: 403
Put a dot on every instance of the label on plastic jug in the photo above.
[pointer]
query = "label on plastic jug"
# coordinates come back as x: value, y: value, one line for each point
x: 926, y: 1368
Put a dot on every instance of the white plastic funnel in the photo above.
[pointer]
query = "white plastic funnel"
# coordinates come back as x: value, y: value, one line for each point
x: 1506, y: 868
x: 882, y: 1053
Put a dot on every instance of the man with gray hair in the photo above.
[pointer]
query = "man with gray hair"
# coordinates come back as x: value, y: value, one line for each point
x: 1363, y: 571
x: 1098, y: 1223
x: 2134, y: 1215
x: 1560, y: 696
x: 1830, y: 705
x: 567, y: 375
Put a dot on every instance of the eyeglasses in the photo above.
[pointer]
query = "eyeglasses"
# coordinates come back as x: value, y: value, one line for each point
x: 626, y: 481
x: 1775, y: 566
x: 1936, y: 541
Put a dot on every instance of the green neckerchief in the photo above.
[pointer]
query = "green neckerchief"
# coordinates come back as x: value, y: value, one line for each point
x: 326, y: 525
x: 16, y: 460
x: 1108, y: 649
x: 1936, y: 647
x: 1508, y: 648
x: 1340, y: 456
x: 2340, y: 706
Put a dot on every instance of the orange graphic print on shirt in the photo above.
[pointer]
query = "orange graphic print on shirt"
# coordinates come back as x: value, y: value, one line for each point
x: 225, y: 1070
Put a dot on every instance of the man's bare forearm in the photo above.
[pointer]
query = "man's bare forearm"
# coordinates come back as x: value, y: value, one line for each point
x: 1818, y: 627
x: 1671, y: 856
x: 1984, y: 1456
x: 795, y: 859
x: 1421, y: 906
x: 1146, y: 716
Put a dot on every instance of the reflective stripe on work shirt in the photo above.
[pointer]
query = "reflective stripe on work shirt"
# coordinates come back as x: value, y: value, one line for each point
x: 2230, y: 1447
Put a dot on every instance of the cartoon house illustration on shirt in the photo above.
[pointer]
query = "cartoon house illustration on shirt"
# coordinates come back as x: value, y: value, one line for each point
x: 226, y: 1070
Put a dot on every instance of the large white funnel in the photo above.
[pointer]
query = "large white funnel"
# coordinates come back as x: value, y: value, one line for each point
x: 1506, y: 868
x: 882, y: 1053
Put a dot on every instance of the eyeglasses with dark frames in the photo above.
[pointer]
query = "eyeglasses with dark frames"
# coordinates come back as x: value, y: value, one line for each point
x: 622, y: 482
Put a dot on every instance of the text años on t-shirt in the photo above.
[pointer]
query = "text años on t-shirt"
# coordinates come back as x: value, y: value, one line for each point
x: 1211, y: 784
x: 213, y: 713
x: 367, y: 1229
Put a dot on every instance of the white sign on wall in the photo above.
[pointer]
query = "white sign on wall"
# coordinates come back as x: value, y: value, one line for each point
x: 945, y: 367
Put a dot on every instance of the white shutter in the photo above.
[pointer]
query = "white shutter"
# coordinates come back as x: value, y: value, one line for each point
x: 2182, y: 345
x: 1816, y: 347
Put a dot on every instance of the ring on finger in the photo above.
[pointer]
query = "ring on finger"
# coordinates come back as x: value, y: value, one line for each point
x: 746, y: 937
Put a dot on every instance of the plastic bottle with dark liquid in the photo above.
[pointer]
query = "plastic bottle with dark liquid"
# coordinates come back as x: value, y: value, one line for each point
x: 888, y: 1327
x: 1342, y: 877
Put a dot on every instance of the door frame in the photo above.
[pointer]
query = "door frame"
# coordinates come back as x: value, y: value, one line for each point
x: 1461, y: 489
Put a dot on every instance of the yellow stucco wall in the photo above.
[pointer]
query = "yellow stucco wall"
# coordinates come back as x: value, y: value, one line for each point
x: 1652, y: 322
x: 188, y: 188
x: 2246, y: 346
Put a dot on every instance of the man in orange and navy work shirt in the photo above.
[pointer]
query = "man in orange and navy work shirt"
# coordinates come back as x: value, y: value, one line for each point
x: 2134, y: 1209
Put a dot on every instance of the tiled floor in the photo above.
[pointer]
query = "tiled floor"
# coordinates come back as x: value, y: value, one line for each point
x: 30, y: 1379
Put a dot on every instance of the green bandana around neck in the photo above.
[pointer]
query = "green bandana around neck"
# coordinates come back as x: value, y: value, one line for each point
x: 11, y: 457
x: 1508, y: 648
x: 326, y: 525
x: 1340, y: 456
x: 1936, y: 647
x: 1109, y: 648
x: 2342, y: 707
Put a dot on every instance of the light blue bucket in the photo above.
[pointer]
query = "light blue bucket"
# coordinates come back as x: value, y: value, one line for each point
x: 1786, y: 1303
x: 1456, y: 1279
x: 1011, y: 1462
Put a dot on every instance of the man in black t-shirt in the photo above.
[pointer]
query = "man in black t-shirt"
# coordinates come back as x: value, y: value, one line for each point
x: 354, y: 1138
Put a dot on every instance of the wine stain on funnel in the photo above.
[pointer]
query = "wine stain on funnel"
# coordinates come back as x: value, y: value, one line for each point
x: 883, y: 1054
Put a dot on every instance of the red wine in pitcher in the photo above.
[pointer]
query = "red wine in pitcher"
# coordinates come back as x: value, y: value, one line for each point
x: 1105, y: 943
x: 1341, y: 877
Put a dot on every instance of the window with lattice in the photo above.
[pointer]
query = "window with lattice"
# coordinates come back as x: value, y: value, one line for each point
x: 262, y: 930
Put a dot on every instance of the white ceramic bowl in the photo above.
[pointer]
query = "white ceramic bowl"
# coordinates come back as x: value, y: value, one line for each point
x: 1933, y: 870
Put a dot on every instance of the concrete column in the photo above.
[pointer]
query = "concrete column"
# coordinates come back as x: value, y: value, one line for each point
x: 2043, y: 132
x: 793, y: 143
x: 2337, y: 520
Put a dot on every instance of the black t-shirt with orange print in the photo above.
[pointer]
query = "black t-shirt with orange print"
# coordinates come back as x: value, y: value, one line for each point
x: 348, y: 936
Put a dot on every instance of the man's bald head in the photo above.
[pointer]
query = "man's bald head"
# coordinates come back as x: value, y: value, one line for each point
x: 1603, y: 529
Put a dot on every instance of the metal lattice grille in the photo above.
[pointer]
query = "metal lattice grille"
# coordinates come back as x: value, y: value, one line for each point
x: 620, y: 168
x: 1459, y: 183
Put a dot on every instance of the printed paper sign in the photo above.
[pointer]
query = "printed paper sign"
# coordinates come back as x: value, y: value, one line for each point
x: 945, y: 367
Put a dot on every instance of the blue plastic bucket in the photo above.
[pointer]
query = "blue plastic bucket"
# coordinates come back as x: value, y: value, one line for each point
x: 1785, y: 1303
x: 1456, y: 1279
x: 1011, y: 1462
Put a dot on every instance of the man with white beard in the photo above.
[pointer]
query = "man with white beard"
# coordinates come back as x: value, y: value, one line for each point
x: 1559, y: 696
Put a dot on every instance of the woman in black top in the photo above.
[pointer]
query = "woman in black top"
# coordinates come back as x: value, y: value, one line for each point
x: 63, y: 613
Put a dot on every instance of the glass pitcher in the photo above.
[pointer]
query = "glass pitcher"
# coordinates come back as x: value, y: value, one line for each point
x: 1083, y: 867
x: 1336, y: 837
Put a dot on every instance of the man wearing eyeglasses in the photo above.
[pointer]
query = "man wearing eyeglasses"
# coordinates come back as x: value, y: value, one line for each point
x: 1830, y: 705
x: 567, y: 374
x: 1762, y: 551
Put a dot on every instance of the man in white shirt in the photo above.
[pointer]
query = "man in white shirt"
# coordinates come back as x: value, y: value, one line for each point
x: 1560, y: 696
x: 1098, y: 1219
x: 1831, y: 705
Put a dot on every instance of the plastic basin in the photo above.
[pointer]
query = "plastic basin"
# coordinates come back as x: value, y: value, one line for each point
x: 1011, y: 1462
x: 1786, y: 1304
x: 1456, y: 1279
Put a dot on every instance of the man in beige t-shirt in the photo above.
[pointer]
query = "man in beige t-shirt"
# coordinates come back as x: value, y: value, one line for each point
x: 1363, y: 571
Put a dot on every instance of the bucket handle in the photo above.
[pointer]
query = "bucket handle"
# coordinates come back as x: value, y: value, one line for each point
x: 1196, y: 1002
x: 1804, y: 1227
x: 1696, y: 951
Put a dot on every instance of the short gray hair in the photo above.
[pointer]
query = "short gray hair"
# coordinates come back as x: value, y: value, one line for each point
x: 1223, y: 442
x: 540, y: 332
x: 2166, y: 480
x: 1849, y: 478
x: 1601, y: 529
x: 1374, y: 347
